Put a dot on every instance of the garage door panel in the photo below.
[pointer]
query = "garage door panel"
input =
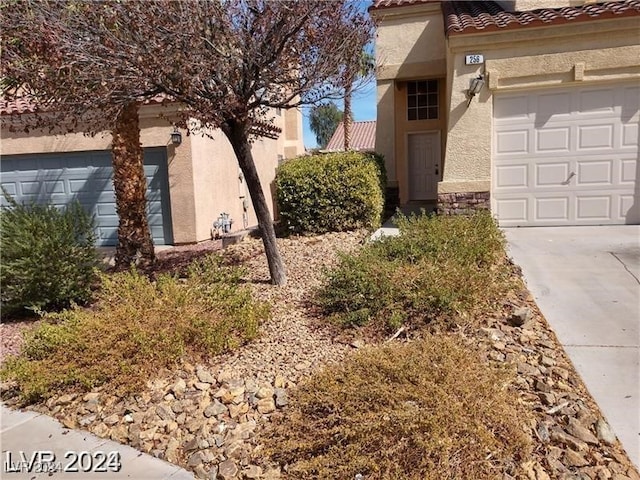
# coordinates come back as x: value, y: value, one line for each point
x: 511, y: 176
x: 513, y: 210
x: 551, y: 209
x: 595, y: 136
x: 630, y: 135
x: 594, y: 173
x: 628, y: 170
x: 553, y: 140
x: 551, y: 174
x: 596, y: 101
x: 510, y: 142
x: 591, y: 207
x: 87, y: 178
x: 566, y: 156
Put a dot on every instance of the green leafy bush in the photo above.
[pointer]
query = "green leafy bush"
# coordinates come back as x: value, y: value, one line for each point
x: 331, y: 192
x: 447, y: 268
x: 429, y: 410
x: 48, y: 256
x: 136, y: 328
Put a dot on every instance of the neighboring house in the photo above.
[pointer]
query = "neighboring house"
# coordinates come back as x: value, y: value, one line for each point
x: 363, y: 137
x: 550, y: 137
x: 189, y: 184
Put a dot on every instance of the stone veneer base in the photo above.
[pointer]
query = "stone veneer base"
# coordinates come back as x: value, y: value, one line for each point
x: 461, y: 203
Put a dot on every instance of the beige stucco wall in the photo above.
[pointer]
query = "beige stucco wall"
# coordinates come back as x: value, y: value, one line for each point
x: 203, y: 172
x: 293, y: 139
x: 154, y: 132
x: 409, y: 45
x: 603, y: 51
x: 217, y: 185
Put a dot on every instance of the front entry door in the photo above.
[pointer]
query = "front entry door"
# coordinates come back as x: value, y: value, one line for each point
x: 424, y: 165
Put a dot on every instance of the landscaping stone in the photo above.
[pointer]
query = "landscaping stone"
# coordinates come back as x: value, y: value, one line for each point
x: 209, y: 417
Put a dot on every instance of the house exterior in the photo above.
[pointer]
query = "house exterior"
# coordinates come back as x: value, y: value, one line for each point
x: 549, y: 136
x: 189, y: 184
x: 363, y: 137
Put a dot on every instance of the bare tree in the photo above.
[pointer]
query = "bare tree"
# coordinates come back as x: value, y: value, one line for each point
x: 228, y: 64
x: 54, y: 57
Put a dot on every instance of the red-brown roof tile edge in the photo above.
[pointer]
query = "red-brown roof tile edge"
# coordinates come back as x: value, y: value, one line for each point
x: 463, y: 17
x: 384, y: 4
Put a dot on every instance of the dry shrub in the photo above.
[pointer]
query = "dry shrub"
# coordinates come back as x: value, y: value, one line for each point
x: 446, y: 269
x: 136, y: 328
x: 425, y: 410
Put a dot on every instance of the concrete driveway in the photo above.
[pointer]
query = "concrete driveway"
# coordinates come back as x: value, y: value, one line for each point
x: 586, y: 281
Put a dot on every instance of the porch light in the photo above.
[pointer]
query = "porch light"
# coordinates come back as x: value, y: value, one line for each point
x: 176, y: 136
x: 474, y: 88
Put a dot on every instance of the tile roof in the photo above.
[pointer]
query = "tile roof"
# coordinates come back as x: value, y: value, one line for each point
x: 488, y: 16
x: 379, y: 4
x: 363, y: 137
x: 17, y: 107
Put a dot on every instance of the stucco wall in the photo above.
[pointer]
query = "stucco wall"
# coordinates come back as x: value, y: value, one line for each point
x: 203, y: 172
x: 218, y: 187
x: 409, y: 45
x: 410, y: 41
x: 154, y: 132
x: 603, y: 51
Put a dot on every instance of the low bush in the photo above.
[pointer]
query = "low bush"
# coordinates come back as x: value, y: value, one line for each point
x: 427, y: 410
x: 440, y: 268
x: 48, y: 256
x: 136, y: 328
x: 331, y: 192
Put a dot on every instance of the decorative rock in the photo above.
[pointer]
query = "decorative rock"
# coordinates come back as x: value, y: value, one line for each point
x: 576, y: 429
x: 65, y: 399
x: 179, y: 387
x: 171, y: 452
x: 264, y: 392
x: 279, y: 381
x: 521, y: 316
x: 216, y: 408
x: 87, y: 420
x: 574, y: 459
x: 357, y: 344
x: 236, y: 410
x: 165, y: 412
x: 112, y: 419
x: 266, y: 405
x: 559, y: 436
x: 202, y: 386
x: 227, y: 469
x: 195, y: 459
x: 204, y: 376
x: 253, y: 472
x: 604, y: 432
x: 91, y: 396
x: 281, y: 397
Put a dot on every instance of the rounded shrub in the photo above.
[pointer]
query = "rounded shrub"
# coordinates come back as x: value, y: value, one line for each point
x: 48, y: 256
x: 331, y: 192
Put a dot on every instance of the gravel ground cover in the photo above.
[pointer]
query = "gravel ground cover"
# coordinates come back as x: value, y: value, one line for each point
x: 208, y: 417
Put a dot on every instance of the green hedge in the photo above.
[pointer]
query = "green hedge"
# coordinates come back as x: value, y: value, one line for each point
x: 48, y: 256
x: 331, y: 192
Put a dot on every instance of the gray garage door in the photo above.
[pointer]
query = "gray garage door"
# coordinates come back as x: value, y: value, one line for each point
x: 88, y: 177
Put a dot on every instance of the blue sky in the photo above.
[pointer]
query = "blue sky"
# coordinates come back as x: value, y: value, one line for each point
x: 363, y: 103
x: 364, y: 108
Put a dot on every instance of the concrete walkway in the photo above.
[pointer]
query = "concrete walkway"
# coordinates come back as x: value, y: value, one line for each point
x: 586, y: 281
x: 29, y: 438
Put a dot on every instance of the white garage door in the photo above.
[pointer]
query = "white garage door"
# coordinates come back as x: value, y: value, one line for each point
x: 566, y: 156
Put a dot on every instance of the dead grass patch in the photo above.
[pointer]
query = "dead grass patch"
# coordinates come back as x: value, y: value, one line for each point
x: 425, y: 410
x: 136, y: 328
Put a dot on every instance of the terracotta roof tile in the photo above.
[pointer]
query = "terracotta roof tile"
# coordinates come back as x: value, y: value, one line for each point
x: 486, y: 16
x: 17, y: 107
x: 363, y: 137
x: 380, y: 4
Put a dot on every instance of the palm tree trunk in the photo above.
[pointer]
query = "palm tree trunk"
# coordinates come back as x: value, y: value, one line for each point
x: 238, y: 135
x: 347, y: 118
x: 130, y: 184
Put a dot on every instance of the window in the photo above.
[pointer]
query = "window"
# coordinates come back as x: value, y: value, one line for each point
x: 422, y: 100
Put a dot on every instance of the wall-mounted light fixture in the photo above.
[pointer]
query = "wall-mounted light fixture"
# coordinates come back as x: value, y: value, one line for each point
x: 475, y: 86
x: 176, y: 136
